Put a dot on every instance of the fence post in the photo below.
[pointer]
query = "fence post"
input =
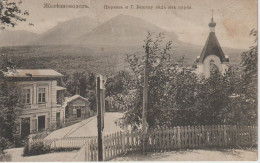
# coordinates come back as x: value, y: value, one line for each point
x: 225, y: 136
x: 178, y: 137
x: 86, y: 158
x: 123, y: 142
x: 54, y: 143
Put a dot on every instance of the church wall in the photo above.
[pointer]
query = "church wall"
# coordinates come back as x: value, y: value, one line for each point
x: 199, y: 70
x: 224, y: 68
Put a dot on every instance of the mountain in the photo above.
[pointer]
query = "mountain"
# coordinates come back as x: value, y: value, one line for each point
x: 122, y: 30
x: 16, y: 38
x: 124, y: 34
x: 113, y: 39
x: 66, y: 31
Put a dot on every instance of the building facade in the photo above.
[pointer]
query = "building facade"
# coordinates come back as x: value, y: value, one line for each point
x: 42, y: 98
x: 212, y: 55
x: 77, y: 108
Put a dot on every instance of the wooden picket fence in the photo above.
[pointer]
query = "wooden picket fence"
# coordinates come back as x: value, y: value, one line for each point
x: 176, y: 138
x: 67, y: 143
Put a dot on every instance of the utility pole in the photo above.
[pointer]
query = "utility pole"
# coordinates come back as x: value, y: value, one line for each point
x: 100, y: 96
x: 145, y: 100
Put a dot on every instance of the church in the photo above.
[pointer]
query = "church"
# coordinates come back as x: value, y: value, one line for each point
x: 212, y: 55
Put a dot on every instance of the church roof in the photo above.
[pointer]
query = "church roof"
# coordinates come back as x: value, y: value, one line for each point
x: 212, y: 47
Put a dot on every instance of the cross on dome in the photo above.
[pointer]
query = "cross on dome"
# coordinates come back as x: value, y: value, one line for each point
x: 212, y: 23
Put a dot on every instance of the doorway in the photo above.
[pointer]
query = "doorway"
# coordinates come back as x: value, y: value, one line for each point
x: 25, y: 127
x: 58, y: 124
x: 41, y: 123
x: 78, y: 113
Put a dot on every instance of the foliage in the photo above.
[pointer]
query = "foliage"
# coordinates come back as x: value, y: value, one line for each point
x: 9, y: 100
x: 4, y: 157
x: 117, y: 84
x: 159, y: 65
x: 212, y: 96
x: 37, y: 148
x: 82, y: 83
x: 177, y: 96
x: 243, y: 106
x: 10, y: 13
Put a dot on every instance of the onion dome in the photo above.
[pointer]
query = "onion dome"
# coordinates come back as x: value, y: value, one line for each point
x: 212, y: 23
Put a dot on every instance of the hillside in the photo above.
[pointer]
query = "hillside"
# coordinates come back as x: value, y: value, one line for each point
x: 16, y: 38
x: 99, y: 49
x: 122, y: 30
x: 66, y: 31
x: 71, y: 58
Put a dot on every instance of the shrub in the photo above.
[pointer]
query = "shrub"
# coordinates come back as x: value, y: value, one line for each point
x: 4, y: 144
x: 37, y: 148
x: 40, y: 135
x: 4, y: 157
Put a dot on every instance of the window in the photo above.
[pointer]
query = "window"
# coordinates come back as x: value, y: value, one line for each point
x: 34, y: 125
x: 41, y: 95
x: 26, y: 96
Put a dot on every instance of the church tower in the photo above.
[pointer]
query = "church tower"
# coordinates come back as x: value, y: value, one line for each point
x: 212, y: 54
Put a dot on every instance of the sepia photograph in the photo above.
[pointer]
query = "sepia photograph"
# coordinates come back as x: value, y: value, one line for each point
x: 128, y: 80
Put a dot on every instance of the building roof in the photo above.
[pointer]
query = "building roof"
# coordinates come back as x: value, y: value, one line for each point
x: 70, y: 99
x: 212, y: 47
x: 33, y: 73
x: 59, y: 88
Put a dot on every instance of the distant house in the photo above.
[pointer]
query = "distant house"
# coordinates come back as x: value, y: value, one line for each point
x: 42, y: 98
x: 77, y: 107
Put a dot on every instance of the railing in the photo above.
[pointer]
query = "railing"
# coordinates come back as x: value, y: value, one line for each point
x: 167, y: 139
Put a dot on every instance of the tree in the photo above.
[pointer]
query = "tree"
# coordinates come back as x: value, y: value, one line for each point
x: 212, y: 96
x: 177, y: 96
x: 9, y: 100
x: 160, y: 76
x: 10, y: 14
x: 82, y: 83
x: 242, y: 108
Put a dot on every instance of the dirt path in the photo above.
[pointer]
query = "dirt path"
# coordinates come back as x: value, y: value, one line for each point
x: 194, y: 155
x: 88, y: 127
x: 16, y: 156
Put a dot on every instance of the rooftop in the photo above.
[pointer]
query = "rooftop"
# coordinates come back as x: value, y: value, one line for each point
x: 33, y: 73
x: 74, y: 98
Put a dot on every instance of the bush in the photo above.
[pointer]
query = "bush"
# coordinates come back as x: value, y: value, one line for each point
x: 5, y: 157
x: 4, y: 144
x: 40, y: 135
x: 37, y: 148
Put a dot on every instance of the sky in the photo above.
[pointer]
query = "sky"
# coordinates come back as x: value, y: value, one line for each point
x: 234, y: 18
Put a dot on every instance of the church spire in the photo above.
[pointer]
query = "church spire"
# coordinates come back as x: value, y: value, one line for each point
x: 212, y: 24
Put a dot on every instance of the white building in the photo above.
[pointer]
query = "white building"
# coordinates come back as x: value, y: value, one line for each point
x: 42, y: 98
